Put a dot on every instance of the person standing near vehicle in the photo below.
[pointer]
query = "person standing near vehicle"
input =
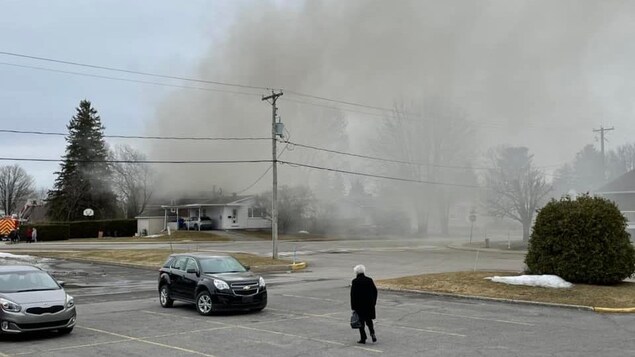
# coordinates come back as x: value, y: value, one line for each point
x: 13, y: 236
x: 34, y: 235
x: 363, y: 301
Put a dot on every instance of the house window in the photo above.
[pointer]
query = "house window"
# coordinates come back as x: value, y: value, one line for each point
x: 256, y: 212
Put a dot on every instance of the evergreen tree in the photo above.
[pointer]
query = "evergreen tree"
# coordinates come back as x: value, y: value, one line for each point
x: 84, y: 178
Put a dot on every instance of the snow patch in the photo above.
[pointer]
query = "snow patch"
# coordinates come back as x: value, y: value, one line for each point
x: 546, y: 281
x: 16, y: 257
x: 154, y: 236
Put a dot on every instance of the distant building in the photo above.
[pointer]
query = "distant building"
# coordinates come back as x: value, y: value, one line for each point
x: 226, y: 212
x: 622, y: 191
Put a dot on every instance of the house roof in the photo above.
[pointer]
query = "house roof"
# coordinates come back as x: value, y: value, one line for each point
x: 219, y: 200
x: 622, y: 184
x: 154, y: 211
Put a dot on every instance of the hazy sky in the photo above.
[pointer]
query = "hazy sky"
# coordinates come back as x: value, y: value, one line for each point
x: 536, y: 73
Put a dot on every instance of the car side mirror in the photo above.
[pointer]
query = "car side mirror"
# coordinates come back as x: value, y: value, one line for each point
x: 62, y: 283
x: 247, y: 267
x: 192, y: 271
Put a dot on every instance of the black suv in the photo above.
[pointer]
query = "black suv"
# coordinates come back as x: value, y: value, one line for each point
x: 211, y: 282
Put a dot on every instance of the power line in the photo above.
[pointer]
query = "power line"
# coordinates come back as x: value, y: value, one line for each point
x: 377, y: 176
x: 198, y: 80
x: 107, y: 68
x: 263, y: 174
x: 195, y: 138
x: 384, y: 159
x: 127, y: 79
x: 138, y: 161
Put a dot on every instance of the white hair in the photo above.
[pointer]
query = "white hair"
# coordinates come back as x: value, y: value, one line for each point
x: 359, y: 269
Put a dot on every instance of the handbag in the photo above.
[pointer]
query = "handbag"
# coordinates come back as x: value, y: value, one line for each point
x: 355, y: 323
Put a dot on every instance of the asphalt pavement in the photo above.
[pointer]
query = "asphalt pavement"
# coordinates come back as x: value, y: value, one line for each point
x: 308, y: 313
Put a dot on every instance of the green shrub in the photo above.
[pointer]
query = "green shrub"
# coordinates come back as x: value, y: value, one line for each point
x: 47, y: 232
x: 582, y: 241
x: 109, y: 227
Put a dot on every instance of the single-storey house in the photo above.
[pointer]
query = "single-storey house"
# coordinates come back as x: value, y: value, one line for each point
x: 226, y: 212
x: 622, y: 191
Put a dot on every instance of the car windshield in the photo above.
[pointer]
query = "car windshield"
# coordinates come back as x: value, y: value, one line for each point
x: 221, y: 265
x: 23, y: 281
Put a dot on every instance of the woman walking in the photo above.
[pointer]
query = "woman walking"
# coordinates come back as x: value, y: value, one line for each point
x: 363, y: 301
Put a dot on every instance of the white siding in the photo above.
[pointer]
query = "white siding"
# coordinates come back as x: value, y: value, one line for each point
x: 152, y: 225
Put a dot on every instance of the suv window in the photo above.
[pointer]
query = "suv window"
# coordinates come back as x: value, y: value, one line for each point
x: 205, y: 218
x: 179, y: 263
x: 191, y: 264
x: 169, y: 262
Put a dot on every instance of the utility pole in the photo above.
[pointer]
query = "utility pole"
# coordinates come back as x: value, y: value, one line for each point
x: 601, y: 131
x: 274, y: 199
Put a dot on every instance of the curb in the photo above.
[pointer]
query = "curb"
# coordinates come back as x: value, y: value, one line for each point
x: 279, y: 268
x: 484, y: 298
x: 486, y: 250
x: 624, y: 310
x: 255, y: 268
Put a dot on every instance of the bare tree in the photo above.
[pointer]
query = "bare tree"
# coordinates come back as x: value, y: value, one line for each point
x: 621, y: 160
x: 515, y: 186
x: 15, y: 187
x: 438, y: 142
x: 132, y: 180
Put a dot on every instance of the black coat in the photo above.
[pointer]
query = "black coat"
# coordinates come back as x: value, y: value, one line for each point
x: 363, y: 297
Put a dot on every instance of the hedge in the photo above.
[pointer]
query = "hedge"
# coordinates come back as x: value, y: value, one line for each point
x: 47, y: 232
x: 109, y: 227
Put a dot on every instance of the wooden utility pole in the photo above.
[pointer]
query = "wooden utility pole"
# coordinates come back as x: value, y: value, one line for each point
x: 601, y: 131
x: 274, y: 199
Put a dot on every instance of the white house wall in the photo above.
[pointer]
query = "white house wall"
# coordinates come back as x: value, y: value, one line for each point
x: 152, y: 225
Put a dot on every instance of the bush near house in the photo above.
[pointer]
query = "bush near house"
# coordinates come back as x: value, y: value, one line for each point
x: 47, y: 232
x: 109, y: 227
x: 582, y: 240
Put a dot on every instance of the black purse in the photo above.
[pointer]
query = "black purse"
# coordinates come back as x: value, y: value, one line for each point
x: 355, y: 323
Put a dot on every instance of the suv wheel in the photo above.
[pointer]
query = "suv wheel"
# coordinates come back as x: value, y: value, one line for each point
x: 164, y: 296
x: 204, y: 303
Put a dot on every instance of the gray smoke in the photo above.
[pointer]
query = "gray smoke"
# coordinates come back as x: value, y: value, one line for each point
x: 540, y: 74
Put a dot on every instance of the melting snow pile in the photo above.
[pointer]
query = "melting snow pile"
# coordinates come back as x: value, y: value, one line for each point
x: 13, y: 256
x: 546, y: 281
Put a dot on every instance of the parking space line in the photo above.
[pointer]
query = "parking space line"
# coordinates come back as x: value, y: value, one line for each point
x: 192, y: 331
x: 73, y: 347
x: 425, y: 311
x: 284, y: 333
x: 424, y: 330
x: 311, y: 298
x: 329, y: 316
x: 148, y: 342
x: 477, y: 318
x: 311, y: 339
x: 181, y: 317
x: 304, y: 313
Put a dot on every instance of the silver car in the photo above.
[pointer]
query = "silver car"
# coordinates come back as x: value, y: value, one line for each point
x: 31, y: 300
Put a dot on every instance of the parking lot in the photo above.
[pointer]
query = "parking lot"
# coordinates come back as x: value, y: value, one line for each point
x: 119, y: 315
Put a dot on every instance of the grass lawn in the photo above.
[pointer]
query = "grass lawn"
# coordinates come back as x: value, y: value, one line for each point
x: 152, y: 258
x: 473, y: 283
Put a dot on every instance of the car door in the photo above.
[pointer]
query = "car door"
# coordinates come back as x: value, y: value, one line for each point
x: 190, y: 279
x: 177, y: 271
